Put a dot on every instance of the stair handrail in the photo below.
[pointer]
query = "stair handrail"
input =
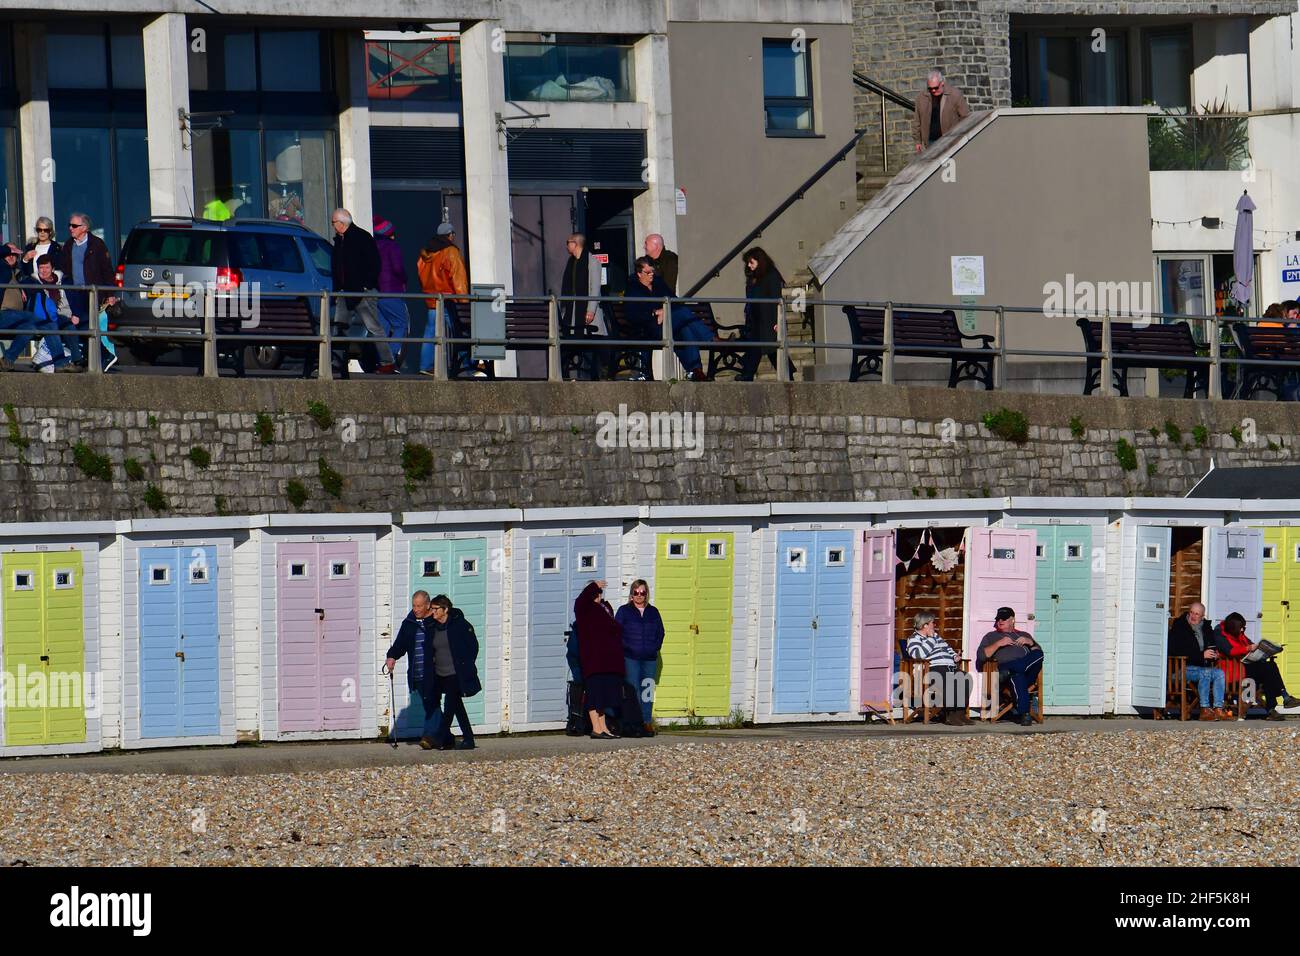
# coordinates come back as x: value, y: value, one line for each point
x: 875, y: 86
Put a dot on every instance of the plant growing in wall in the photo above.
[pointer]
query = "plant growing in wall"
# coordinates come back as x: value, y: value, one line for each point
x: 222, y: 508
x: 320, y: 413
x: 330, y: 479
x: 1151, y: 469
x: 1127, y: 455
x: 153, y: 421
x: 417, y: 461
x: 91, y: 464
x: 1008, y: 425
x: 200, y: 456
x: 1077, y: 428
x: 1174, y: 433
x: 264, y: 428
x: 1235, y: 435
x: 296, y: 492
x: 134, y: 470
x: 155, y: 499
x: 16, y: 436
x: 1155, y: 432
x: 1200, y: 435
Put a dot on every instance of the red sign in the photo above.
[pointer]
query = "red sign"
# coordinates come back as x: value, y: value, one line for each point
x: 601, y: 257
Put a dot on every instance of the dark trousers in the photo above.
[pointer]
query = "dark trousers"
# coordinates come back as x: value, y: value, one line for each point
x: 1021, y: 673
x: 752, y: 358
x: 446, y: 693
x: 951, y: 688
x: 1268, y: 682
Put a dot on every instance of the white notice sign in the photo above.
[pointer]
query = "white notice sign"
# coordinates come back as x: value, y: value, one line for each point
x: 967, y: 275
x: 681, y: 200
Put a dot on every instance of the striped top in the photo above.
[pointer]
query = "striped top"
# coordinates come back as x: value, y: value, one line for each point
x: 933, y: 649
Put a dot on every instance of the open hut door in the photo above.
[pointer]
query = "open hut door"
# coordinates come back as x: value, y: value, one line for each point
x: 1235, y: 578
x: 1186, y: 549
x: 1001, y: 572
x: 877, y: 634
x: 1150, y: 615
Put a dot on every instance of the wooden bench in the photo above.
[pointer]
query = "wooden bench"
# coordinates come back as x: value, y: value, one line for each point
x: 916, y: 673
x: 1270, y: 344
x: 529, y: 321
x: 1007, y: 696
x: 722, y: 358
x: 1144, y: 345
x: 1182, y: 697
x: 277, y: 316
x: 919, y: 335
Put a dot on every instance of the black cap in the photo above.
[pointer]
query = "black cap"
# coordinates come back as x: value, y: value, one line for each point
x: 1004, y: 613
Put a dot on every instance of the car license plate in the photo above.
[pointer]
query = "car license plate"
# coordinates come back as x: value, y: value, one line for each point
x: 167, y: 294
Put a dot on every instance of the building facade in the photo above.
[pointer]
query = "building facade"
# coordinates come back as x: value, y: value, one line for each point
x: 519, y: 123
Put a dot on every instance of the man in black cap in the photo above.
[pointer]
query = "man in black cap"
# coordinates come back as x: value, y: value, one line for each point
x: 1017, y: 655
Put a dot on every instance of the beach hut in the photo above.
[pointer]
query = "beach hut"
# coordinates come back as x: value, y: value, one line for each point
x: 460, y: 554
x: 552, y: 555
x: 809, y: 645
x: 56, y: 676
x: 179, y: 581
x: 325, y: 594
x: 1159, y: 556
x: 697, y: 561
x: 1278, y: 522
x: 1070, y: 596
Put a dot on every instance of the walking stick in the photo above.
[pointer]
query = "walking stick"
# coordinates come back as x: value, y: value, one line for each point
x: 392, y: 707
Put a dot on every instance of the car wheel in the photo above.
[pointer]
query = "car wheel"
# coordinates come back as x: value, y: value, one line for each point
x: 264, y: 356
x: 145, y: 354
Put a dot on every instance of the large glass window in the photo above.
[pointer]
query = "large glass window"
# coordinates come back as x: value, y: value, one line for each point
x: 10, y: 217
x: 227, y: 180
x: 1064, y: 67
x: 248, y: 60
x: 569, y: 69
x: 300, y: 177
x: 1169, y: 68
x: 419, y: 70
x: 88, y: 161
x: 787, y: 88
x: 290, y: 60
x: 83, y: 56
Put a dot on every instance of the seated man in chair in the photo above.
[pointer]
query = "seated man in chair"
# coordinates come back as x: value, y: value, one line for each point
x: 1017, y: 656
x: 1192, y: 637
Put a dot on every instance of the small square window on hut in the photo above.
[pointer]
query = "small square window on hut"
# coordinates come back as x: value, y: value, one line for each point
x: 338, y: 569
x: 677, y: 549
x: 1073, y: 551
x: 796, y: 558
x: 717, y: 550
x: 468, y: 567
x: 1151, y: 552
x: 586, y: 562
x: 62, y: 579
x: 199, y: 574
x: 297, y: 569
x: 22, y: 580
x: 432, y: 568
x: 1270, y: 552
x: 549, y: 564
x: 159, y: 574
x: 834, y: 557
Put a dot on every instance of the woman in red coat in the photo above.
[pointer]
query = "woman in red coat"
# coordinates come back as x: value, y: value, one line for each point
x: 1233, y: 642
x: 600, y: 645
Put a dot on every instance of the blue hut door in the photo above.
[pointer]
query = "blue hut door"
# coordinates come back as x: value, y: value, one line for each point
x: 811, y: 669
x: 559, y: 567
x: 180, y: 672
x: 1063, y: 593
x: 1150, y: 616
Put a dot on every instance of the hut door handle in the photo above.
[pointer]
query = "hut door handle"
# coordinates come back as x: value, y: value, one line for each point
x: 320, y: 613
x: 695, y: 628
x: 1032, y: 618
x: 1056, y: 597
x: 814, y: 623
x: 181, y: 655
x: 1286, y: 603
x: 45, y: 658
x: 1160, y: 604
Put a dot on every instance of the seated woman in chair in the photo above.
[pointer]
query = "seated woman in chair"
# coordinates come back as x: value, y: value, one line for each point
x: 954, y: 686
x: 1233, y: 644
x: 1017, y: 655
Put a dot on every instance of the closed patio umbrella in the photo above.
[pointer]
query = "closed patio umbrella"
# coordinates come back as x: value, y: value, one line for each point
x: 1243, y: 251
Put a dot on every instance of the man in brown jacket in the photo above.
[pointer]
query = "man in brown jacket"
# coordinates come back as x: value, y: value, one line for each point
x: 939, y: 108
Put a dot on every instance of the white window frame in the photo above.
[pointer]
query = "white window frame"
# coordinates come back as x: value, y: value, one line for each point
x: 1040, y: 551
x: 1269, y: 553
x: 202, y: 571
x: 555, y: 566
x: 1295, y: 555
x: 472, y: 572
x: 306, y: 570
x: 31, y: 580
x: 593, y: 566
x: 166, y: 578
x: 1151, y: 552
x: 1065, y: 551
x: 1008, y: 555
x: 679, y: 542
x: 72, y: 579
x: 796, y: 558
x: 437, y: 567
x: 722, y: 549
x: 346, y: 573
x: 835, y: 562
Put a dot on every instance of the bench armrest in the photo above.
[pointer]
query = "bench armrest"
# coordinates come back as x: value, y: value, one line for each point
x: 985, y: 340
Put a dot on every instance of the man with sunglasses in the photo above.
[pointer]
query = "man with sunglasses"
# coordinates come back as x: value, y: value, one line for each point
x: 939, y: 108
x: 84, y: 260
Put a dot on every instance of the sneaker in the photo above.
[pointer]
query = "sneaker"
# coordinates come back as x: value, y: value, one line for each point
x: 1026, y: 720
x: 1227, y: 713
x: 429, y: 372
x: 426, y: 743
x: 448, y: 744
x: 6, y: 365
x: 465, y: 745
x: 1274, y: 715
x: 697, y: 375
x: 1290, y: 701
x: 112, y: 360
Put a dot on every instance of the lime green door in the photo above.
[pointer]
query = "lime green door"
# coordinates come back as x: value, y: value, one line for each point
x: 693, y: 591
x: 1280, y: 621
x: 44, y: 648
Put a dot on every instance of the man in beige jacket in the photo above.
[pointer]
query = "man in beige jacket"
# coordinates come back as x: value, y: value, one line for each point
x: 939, y: 108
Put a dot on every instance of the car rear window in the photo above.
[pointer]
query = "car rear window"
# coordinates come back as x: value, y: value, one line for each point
x: 173, y: 247
x: 262, y: 250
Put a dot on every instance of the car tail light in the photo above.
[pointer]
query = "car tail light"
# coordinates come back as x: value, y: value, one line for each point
x: 121, y: 271
x: 228, y: 279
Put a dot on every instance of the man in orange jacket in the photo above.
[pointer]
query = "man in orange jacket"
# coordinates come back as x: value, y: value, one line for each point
x: 442, y: 270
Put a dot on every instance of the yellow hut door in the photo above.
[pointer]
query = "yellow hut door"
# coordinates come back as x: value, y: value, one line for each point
x: 693, y: 591
x: 1281, y: 606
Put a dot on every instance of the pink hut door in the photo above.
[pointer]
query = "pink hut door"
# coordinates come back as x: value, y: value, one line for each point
x: 297, y: 573
x: 877, y: 667
x: 340, y: 639
x: 1000, y: 566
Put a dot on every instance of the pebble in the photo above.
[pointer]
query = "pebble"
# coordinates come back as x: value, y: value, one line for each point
x: 1127, y: 798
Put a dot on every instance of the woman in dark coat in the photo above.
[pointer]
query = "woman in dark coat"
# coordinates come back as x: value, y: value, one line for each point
x: 601, y: 649
x: 762, y: 281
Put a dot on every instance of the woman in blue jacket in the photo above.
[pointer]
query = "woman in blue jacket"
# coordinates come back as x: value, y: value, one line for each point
x: 643, y: 636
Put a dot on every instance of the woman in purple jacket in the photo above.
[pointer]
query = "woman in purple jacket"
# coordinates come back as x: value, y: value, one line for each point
x: 392, y: 280
x: 643, y: 636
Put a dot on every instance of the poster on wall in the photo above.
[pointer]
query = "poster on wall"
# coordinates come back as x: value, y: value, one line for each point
x: 967, y: 275
x: 1288, y: 262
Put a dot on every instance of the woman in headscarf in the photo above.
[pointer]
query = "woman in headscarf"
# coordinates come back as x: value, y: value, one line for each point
x: 601, y: 649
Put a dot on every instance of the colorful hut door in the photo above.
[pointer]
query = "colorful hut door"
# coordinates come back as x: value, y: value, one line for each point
x: 1150, y: 615
x: 44, y: 648
x: 320, y: 636
x: 1001, y: 566
x: 1235, y: 576
x: 559, y: 567
x: 814, y: 585
x: 180, y: 687
x: 877, y: 627
x: 1281, y: 606
x: 457, y: 568
x: 1062, y: 597
x: 693, y: 591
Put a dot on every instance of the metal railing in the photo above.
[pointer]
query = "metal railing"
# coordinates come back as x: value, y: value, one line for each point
x: 326, y: 342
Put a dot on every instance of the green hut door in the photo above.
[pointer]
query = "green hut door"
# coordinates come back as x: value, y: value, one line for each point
x: 693, y: 591
x: 44, y: 648
x: 1064, y: 593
